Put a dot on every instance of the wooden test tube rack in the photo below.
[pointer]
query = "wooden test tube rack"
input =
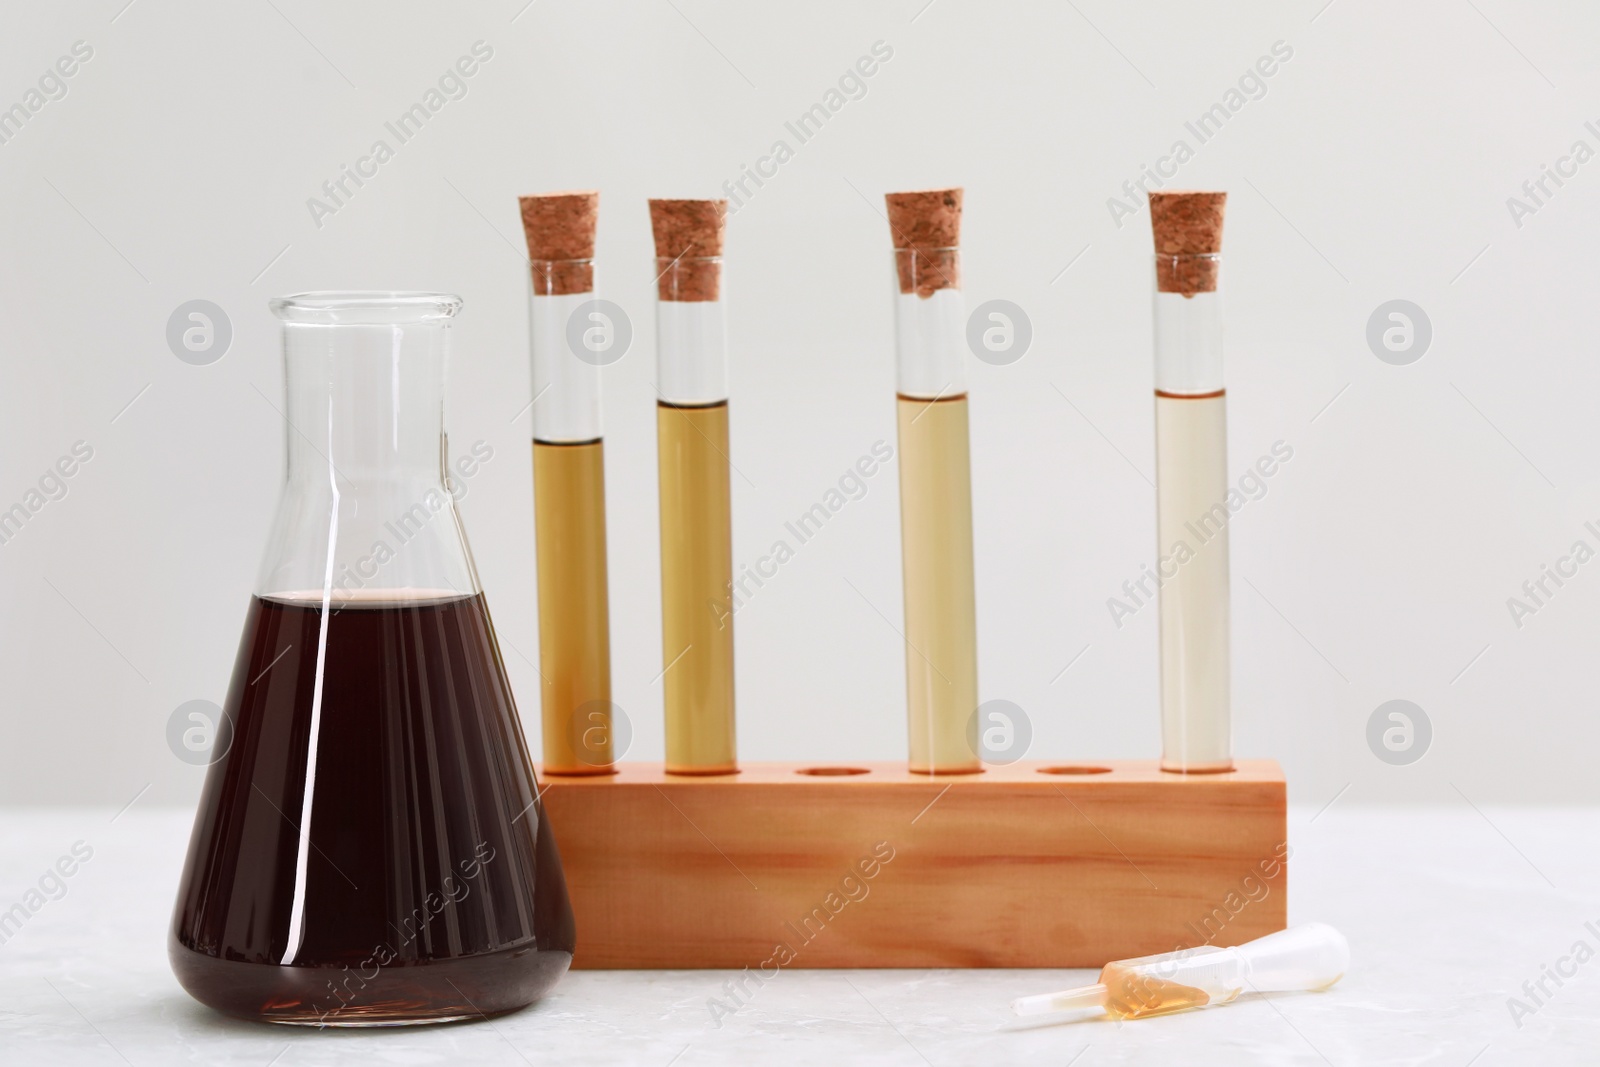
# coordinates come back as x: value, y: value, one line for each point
x: 1030, y: 865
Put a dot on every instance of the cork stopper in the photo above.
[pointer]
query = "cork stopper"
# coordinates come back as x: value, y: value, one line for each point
x: 689, y: 232
x: 560, y: 231
x: 1187, y: 224
x: 926, y: 228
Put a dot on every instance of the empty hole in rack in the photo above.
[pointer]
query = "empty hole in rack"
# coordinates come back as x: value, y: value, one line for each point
x: 1074, y: 769
x: 832, y: 772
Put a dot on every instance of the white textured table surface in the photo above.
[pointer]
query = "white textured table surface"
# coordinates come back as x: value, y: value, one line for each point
x: 1448, y: 910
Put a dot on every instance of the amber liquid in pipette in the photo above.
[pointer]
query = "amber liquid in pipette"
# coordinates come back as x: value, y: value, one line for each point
x: 1130, y: 995
x: 1191, y: 509
x: 696, y: 579
x: 569, y: 510
x: 940, y: 603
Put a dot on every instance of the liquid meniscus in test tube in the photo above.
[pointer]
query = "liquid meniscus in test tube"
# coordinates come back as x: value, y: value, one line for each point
x: 696, y: 511
x: 935, y: 483
x: 1191, y: 482
x: 569, y: 489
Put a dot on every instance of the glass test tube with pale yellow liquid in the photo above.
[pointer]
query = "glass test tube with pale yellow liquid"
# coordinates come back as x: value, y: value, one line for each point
x: 569, y: 511
x: 696, y: 569
x: 569, y: 488
x: 940, y: 605
x: 1192, y: 487
x: 696, y: 510
x: 935, y: 487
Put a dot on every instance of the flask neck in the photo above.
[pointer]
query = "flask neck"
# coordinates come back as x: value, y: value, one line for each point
x: 366, y: 511
x: 365, y: 402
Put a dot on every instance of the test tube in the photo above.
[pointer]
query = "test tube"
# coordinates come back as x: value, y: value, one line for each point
x: 696, y: 519
x: 569, y: 492
x: 935, y: 483
x: 1191, y: 482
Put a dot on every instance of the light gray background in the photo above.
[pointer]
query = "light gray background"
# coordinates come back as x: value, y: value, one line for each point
x: 1376, y: 167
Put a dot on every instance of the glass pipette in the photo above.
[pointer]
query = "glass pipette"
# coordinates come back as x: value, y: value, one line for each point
x: 1307, y: 957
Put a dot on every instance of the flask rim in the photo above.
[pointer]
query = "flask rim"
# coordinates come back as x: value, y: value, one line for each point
x: 365, y: 307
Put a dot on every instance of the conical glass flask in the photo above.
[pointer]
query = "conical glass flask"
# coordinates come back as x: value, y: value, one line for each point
x: 370, y: 848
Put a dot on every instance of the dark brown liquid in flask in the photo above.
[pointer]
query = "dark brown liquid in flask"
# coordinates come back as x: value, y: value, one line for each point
x: 426, y: 884
x: 369, y: 848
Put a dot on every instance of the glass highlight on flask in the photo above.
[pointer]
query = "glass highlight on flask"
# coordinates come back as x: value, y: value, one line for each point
x: 1191, y: 483
x: 370, y: 848
x: 935, y: 483
x: 696, y: 507
x: 569, y: 509
x: 1305, y: 958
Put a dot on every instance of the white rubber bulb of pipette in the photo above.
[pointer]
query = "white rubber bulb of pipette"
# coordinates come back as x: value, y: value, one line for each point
x: 1310, y: 956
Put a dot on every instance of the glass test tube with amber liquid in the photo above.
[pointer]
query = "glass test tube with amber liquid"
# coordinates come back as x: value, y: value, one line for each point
x: 569, y: 505
x: 1191, y: 483
x: 696, y: 518
x: 935, y: 484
